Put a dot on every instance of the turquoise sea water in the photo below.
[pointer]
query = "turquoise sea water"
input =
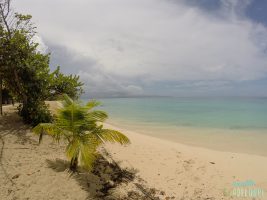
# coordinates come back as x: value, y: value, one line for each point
x: 228, y: 124
x: 226, y: 113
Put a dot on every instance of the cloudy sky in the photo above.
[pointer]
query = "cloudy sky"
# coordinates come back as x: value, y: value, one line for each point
x: 156, y: 47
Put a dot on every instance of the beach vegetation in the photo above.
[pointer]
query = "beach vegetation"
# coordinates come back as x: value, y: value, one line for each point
x: 64, y: 84
x: 81, y: 127
x: 25, y: 70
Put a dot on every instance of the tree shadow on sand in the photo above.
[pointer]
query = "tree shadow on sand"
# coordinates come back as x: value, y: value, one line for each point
x: 106, y: 179
x: 12, y: 124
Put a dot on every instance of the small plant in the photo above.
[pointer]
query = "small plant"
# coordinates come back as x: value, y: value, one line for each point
x: 81, y: 126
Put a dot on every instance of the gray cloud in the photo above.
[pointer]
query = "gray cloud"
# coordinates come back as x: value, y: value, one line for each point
x: 97, y: 82
x: 126, y: 47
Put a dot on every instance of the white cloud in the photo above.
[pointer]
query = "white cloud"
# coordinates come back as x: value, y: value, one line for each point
x: 42, y: 46
x: 154, y: 39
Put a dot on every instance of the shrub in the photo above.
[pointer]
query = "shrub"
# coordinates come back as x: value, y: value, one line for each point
x: 35, y: 112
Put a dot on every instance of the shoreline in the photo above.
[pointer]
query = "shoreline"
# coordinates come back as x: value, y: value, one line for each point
x: 176, y: 171
x: 171, y: 165
x: 253, y: 142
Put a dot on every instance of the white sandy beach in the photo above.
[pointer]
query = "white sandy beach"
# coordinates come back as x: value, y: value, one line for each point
x: 188, y: 172
x: 177, y: 171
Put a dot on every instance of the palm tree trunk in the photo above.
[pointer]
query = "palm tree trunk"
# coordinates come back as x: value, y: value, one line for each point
x: 74, y: 164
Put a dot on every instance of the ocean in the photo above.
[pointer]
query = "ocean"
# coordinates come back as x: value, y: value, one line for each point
x: 228, y: 124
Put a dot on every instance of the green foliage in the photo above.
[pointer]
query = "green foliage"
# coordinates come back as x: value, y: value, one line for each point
x: 35, y: 112
x: 27, y: 76
x: 80, y: 126
x: 62, y: 84
x: 25, y: 71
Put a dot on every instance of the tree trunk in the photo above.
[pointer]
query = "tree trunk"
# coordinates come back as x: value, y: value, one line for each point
x: 1, y: 98
x: 74, y: 164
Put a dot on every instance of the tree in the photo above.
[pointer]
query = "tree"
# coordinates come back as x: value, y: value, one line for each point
x: 17, y: 32
x: 79, y: 126
x: 26, y: 75
x: 62, y: 84
x: 26, y: 71
x: 2, y: 14
x: 16, y: 50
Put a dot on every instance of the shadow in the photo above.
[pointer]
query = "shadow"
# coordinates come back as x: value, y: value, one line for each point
x: 101, y: 183
x: 104, y: 179
x: 12, y: 124
x: 58, y: 165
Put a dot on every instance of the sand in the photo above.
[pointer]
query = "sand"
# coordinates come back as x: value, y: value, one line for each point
x: 188, y: 172
x: 176, y: 171
x: 24, y: 171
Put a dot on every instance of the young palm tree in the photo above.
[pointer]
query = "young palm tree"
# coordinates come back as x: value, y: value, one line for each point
x: 81, y: 126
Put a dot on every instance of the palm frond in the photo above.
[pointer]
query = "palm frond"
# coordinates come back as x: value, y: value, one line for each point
x: 87, y: 149
x: 87, y: 155
x: 48, y: 128
x: 72, y: 115
x: 92, y: 104
x: 97, y: 115
x: 73, y: 148
x: 67, y: 99
x: 107, y: 135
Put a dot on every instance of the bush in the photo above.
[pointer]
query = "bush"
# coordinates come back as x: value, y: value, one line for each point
x: 35, y: 112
